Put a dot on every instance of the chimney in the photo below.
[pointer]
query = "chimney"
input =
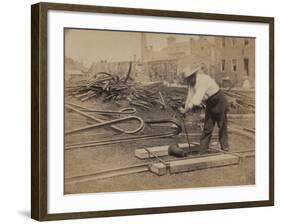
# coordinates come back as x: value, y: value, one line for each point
x: 143, y: 47
x: 191, y: 45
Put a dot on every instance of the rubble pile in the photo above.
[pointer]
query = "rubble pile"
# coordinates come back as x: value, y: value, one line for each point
x: 114, y: 89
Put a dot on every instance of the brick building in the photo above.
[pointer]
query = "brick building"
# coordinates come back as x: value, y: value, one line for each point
x: 234, y: 59
x: 229, y: 60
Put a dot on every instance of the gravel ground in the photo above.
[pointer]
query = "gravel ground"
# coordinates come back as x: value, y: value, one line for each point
x: 93, y: 159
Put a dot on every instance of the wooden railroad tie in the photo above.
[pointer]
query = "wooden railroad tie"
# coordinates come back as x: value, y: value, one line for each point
x: 192, y: 164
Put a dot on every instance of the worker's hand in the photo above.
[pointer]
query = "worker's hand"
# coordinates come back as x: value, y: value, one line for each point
x: 182, y: 110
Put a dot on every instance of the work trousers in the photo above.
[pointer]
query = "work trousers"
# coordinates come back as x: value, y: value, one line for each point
x: 216, y: 113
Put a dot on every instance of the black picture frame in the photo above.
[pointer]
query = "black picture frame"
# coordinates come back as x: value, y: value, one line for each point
x: 39, y: 108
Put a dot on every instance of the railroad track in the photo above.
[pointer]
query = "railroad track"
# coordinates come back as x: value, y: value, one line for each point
x: 108, y: 173
x: 144, y: 167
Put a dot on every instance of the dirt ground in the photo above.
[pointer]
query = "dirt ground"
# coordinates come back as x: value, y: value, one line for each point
x: 85, y: 161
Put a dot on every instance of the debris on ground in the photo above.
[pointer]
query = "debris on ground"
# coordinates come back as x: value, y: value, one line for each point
x: 113, y: 88
x: 116, y: 88
x: 240, y: 102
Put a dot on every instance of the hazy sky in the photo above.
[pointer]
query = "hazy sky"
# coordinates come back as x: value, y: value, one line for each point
x: 88, y: 46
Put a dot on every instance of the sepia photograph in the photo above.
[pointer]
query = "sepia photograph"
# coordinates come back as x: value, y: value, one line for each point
x: 152, y: 111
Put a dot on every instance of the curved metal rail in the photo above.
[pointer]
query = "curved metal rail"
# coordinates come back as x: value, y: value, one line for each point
x: 129, y: 118
x: 177, y: 129
x: 123, y: 111
x: 70, y: 106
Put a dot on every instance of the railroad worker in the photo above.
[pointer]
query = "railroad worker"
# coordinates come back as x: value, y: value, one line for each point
x: 202, y: 88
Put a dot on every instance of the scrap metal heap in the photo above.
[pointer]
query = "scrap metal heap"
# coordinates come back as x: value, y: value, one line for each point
x: 117, y: 88
x: 112, y: 88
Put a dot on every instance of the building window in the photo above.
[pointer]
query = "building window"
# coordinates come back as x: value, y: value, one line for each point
x: 222, y: 65
x: 223, y: 42
x: 246, y: 66
x: 234, y: 65
x: 246, y: 42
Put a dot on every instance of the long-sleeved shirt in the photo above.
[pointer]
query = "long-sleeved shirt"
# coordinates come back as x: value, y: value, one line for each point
x: 204, y: 87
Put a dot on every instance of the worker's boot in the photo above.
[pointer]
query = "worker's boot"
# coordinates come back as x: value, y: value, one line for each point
x: 225, y: 149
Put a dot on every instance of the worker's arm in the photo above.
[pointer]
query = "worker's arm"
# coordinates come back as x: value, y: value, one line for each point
x: 189, y: 96
x: 197, y: 97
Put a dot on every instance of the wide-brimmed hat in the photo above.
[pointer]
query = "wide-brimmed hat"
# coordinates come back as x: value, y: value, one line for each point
x: 190, y: 70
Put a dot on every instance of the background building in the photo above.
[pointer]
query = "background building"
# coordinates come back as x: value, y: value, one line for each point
x: 227, y: 59
x: 235, y: 59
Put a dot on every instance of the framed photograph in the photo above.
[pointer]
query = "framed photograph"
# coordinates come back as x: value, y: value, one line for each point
x: 140, y: 111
